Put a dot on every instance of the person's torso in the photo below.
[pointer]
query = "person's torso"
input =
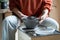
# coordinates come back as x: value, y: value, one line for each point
x: 29, y: 7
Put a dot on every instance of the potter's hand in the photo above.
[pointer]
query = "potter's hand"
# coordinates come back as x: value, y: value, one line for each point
x: 43, y: 17
x: 44, y: 14
x: 24, y: 16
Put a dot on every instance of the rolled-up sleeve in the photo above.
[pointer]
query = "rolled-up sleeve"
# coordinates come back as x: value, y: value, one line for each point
x: 12, y: 4
x: 47, y: 4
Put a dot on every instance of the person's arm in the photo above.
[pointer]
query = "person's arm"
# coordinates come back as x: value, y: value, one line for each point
x: 14, y: 9
x: 45, y: 14
x: 46, y: 8
x: 17, y: 12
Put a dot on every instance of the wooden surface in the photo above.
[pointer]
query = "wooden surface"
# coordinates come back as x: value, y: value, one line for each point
x: 5, y: 13
x: 53, y: 37
x: 23, y: 36
x: 3, y: 10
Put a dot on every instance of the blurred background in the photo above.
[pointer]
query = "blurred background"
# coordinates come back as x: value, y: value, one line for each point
x: 4, y: 11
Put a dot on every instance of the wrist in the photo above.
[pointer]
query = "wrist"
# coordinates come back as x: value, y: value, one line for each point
x: 45, y: 12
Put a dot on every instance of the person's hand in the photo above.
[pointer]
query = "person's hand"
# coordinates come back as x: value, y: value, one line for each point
x: 24, y: 16
x: 43, y: 17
